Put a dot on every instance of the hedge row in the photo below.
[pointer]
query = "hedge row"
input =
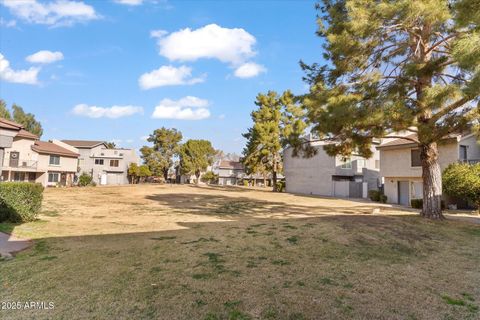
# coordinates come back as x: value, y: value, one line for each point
x: 20, y: 201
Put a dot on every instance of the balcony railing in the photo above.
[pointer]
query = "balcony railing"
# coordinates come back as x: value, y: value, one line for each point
x: 470, y: 161
x: 20, y: 163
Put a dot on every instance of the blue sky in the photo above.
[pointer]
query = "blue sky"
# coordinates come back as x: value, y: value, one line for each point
x: 109, y: 70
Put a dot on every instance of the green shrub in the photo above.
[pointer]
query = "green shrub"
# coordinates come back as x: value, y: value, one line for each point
x: 281, y: 186
x: 85, y: 180
x: 462, y: 181
x: 20, y: 201
x: 418, y: 204
x: 245, y: 183
x: 383, y: 198
x: 374, y: 195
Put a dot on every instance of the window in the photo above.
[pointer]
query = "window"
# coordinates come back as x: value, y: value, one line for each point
x: 113, y: 163
x: 54, y: 160
x: 19, y: 176
x: 415, y: 157
x: 361, y: 163
x: 463, y: 153
x: 53, y: 177
x: 99, y: 161
x: 346, y: 164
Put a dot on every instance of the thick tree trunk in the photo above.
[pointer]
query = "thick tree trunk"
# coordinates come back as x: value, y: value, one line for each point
x: 165, y: 175
x: 432, y: 182
x: 274, y: 179
x: 197, y: 175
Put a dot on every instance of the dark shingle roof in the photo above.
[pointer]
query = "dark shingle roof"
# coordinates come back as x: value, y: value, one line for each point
x: 231, y: 165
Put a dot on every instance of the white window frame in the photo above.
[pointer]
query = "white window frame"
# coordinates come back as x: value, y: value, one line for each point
x: 54, y: 163
x: 54, y: 174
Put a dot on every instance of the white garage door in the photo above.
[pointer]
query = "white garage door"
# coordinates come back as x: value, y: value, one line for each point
x: 341, y: 189
x: 114, y: 178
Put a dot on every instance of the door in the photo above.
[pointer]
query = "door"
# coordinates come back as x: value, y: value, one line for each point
x: 114, y: 178
x: 404, y: 193
x: 14, y: 156
x: 341, y: 188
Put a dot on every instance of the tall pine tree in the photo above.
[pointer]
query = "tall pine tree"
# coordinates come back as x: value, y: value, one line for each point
x: 275, y: 122
x: 407, y: 65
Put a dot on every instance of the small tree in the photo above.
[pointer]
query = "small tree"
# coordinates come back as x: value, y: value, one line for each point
x: 133, y: 172
x: 209, y: 177
x: 463, y: 181
x: 85, y: 180
x: 196, y: 156
x: 166, y: 145
x: 144, y: 172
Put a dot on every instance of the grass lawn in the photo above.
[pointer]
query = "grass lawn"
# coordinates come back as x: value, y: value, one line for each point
x: 186, y: 252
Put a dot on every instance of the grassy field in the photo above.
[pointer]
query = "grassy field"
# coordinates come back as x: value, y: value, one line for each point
x: 186, y: 252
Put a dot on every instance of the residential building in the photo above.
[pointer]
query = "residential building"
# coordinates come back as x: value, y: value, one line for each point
x: 401, y: 169
x: 8, y: 130
x: 325, y: 175
x: 31, y: 160
x: 229, y: 172
x: 106, y: 166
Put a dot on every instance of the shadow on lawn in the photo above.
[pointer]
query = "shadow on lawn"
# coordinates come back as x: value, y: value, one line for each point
x: 217, y: 205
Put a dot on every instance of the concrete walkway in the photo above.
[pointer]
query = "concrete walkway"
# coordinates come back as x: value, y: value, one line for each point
x: 10, y: 244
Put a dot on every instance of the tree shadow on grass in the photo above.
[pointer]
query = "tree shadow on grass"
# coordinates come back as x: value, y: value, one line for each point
x: 218, y: 205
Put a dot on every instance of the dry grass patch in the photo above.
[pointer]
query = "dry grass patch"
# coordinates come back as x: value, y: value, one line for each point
x: 179, y: 252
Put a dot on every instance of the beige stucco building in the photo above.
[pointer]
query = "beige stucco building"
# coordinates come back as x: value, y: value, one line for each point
x: 400, y: 166
x: 31, y: 160
x: 331, y: 176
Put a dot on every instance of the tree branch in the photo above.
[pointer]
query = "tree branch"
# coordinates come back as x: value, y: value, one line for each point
x: 450, y: 108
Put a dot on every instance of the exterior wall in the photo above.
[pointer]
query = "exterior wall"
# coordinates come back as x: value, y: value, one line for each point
x: 397, y: 162
x: 316, y: 175
x: 396, y: 166
x: 26, y: 155
x: 309, y: 175
x: 473, y: 148
x: 87, y: 163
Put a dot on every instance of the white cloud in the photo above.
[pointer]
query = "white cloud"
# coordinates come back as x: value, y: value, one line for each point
x: 144, y: 138
x: 17, y: 76
x: 57, y: 12
x: 111, y: 112
x: 7, y: 24
x: 187, y: 108
x: 233, y: 46
x: 45, y: 56
x: 168, y: 76
x: 129, y: 2
x: 249, y: 70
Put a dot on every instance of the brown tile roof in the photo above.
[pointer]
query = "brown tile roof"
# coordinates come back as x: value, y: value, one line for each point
x: 52, y: 148
x: 25, y: 134
x: 231, y: 165
x: 7, y: 124
x: 83, y: 143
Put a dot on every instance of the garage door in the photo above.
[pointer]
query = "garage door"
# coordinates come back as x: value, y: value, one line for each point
x: 114, y: 178
x: 341, y: 189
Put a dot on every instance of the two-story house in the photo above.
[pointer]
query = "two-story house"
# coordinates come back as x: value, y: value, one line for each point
x: 8, y: 130
x: 229, y: 172
x: 401, y: 167
x: 31, y: 160
x: 106, y: 166
x: 325, y: 175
